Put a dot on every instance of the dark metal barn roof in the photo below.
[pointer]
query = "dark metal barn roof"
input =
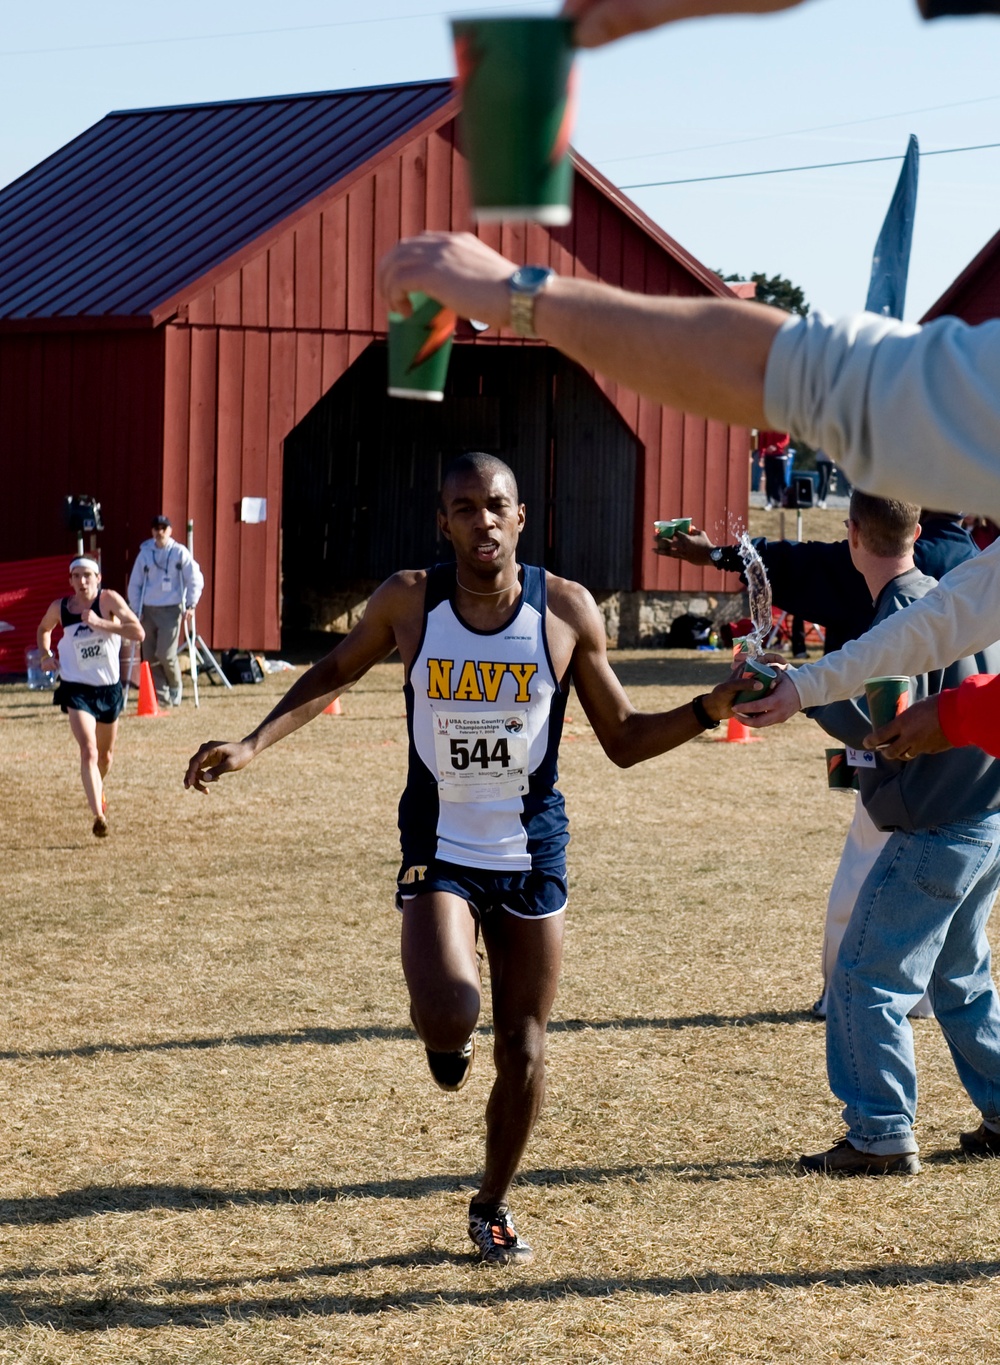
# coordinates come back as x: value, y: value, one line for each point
x: 149, y: 199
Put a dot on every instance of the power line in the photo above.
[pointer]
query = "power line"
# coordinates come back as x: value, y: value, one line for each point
x: 247, y: 32
x: 787, y: 170
x: 796, y: 132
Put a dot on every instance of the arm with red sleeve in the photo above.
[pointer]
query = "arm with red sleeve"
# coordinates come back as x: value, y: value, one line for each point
x: 970, y: 713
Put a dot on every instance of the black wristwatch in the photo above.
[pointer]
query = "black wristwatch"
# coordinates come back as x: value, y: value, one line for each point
x: 715, y: 555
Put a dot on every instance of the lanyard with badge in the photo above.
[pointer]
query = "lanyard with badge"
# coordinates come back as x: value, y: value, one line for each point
x: 165, y: 585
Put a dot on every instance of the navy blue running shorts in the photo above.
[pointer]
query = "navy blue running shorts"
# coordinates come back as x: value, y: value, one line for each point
x: 104, y: 703
x: 528, y: 895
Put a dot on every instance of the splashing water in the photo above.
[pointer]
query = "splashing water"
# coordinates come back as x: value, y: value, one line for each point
x: 759, y: 592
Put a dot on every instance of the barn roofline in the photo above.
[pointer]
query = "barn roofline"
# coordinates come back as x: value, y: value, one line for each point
x: 279, y: 99
x: 942, y: 307
x: 173, y: 305
x: 170, y: 307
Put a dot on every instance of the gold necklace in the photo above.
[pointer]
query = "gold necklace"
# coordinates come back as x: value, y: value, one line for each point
x: 495, y: 593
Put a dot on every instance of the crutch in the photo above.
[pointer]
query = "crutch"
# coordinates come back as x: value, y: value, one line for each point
x: 191, y: 634
x: 132, y: 643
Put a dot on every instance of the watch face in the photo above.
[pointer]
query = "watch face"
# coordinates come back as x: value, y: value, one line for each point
x: 529, y: 278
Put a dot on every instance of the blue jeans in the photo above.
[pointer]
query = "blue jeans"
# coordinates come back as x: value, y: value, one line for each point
x: 919, y: 923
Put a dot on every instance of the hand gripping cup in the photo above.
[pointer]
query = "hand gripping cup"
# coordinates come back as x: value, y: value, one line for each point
x: 840, y: 776
x: 516, y: 78
x: 886, y: 698
x: 666, y: 530
x: 419, y: 350
x: 753, y: 671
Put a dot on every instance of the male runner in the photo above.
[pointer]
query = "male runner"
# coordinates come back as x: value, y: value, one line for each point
x: 489, y: 647
x: 94, y: 622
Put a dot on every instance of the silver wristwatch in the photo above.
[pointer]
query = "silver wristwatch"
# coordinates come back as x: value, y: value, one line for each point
x: 525, y: 285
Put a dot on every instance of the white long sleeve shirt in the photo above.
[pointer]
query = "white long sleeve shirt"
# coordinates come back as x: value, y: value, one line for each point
x: 171, y: 577
x: 906, y: 411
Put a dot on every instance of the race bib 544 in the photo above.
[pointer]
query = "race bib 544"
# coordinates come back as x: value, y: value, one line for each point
x: 481, y: 755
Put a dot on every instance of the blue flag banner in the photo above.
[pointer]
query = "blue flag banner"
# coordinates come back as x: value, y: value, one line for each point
x: 891, y: 262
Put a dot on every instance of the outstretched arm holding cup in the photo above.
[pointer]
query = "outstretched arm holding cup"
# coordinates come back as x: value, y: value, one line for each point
x: 604, y: 21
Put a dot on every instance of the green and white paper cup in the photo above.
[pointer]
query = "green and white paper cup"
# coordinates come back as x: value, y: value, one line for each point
x: 839, y: 775
x: 887, y: 697
x: 754, y: 671
x: 666, y: 530
x: 517, y: 81
x: 419, y: 350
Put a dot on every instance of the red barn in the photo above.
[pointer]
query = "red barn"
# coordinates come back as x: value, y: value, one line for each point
x: 975, y: 295
x: 188, y: 319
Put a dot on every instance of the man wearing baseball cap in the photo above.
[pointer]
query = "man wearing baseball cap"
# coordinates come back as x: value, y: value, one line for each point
x: 163, y: 589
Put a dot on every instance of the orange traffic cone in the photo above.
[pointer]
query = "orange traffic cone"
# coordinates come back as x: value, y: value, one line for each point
x: 148, y: 705
x: 334, y: 709
x: 738, y: 733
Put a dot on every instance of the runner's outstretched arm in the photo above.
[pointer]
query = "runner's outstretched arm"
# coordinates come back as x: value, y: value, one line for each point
x: 371, y: 640
x: 626, y: 735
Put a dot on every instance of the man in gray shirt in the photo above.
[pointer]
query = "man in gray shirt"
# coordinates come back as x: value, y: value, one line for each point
x: 919, y: 922
x: 163, y: 590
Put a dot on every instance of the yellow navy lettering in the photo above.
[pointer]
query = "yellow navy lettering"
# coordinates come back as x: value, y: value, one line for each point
x: 478, y: 680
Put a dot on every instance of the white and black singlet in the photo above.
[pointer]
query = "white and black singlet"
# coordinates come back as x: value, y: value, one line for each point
x: 484, y: 713
x: 87, y: 656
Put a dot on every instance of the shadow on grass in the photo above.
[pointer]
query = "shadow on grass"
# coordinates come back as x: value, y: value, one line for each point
x: 92, y: 1201
x: 338, y: 1037
x: 686, y: 670
x: 137, y: 1308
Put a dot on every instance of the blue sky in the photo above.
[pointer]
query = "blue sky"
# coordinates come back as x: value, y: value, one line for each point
x: 698, y: 99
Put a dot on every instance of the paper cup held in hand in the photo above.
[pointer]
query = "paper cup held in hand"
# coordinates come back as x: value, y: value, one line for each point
x: 517, y: 81
x: 840, y: 776
x: 666, y: 530
x: 887, y: 697
x: 419, y: 350
x: 753, y: 671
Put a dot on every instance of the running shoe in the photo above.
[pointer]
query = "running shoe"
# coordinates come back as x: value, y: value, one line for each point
x: 451, y: 1069
x: 495, y: 1236
x: 104, y: 803
x: 100, y: 826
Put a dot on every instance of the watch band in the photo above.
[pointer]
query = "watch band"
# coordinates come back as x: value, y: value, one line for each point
x: 522, y: 314
x: 525, y: 285
x: 701, y: 715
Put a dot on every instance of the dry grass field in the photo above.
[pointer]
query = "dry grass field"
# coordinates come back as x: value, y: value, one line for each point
x: 222, y: 1145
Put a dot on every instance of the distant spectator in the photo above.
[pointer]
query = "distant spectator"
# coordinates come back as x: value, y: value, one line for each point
x: 772, y: 446
x: 163, y: 591
x: 983, y: 531
x: 824, y: 468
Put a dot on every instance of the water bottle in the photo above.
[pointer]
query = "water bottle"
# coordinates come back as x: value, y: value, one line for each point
x: 38, y: 679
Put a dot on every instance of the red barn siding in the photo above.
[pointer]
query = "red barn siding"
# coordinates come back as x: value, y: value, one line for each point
x: 82, y: 412
x: 309, y: 304
x: 27, y: 587
x: 975, y: 295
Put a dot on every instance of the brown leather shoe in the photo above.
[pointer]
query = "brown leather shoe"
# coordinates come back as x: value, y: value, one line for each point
x: 982, y: 1143
x: 843, y: 1159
